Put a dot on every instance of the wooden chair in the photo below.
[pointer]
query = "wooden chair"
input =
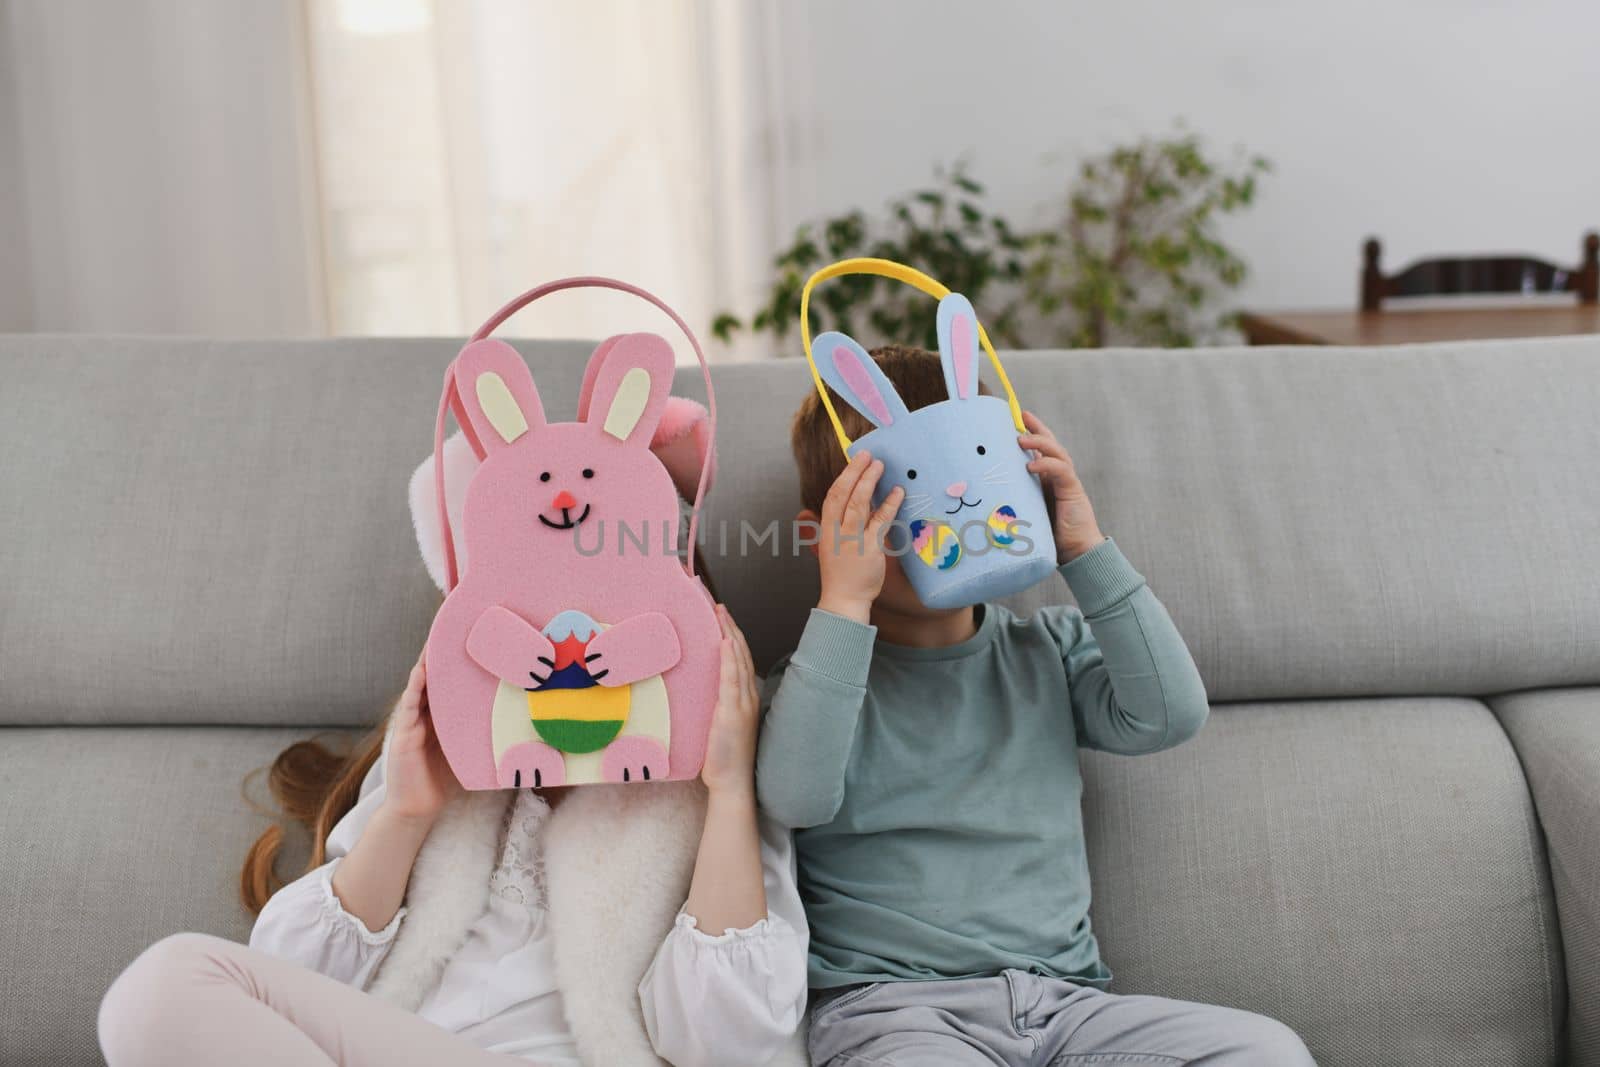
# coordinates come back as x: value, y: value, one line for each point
x: 1452, y: 276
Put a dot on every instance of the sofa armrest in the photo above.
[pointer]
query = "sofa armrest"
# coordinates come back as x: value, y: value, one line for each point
x: 1557, y: 735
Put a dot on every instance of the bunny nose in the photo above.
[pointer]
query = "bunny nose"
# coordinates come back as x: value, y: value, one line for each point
x: 956, y: 490
x: 564, y: 500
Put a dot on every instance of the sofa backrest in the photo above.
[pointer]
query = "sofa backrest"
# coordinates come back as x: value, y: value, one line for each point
x: 1320, y: 522
x: 216, y: 532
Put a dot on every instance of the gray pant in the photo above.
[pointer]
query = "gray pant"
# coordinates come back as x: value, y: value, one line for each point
x: 1023, y: 1020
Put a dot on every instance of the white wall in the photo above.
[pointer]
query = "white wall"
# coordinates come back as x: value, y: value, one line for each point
x: 1436, y: 124
x: 1440, y: 125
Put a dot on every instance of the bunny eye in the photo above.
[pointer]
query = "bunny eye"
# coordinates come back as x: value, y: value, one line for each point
x: 981, y: 450
x: 911, y: 474
x: 587, y: 473
x: 545, y: 477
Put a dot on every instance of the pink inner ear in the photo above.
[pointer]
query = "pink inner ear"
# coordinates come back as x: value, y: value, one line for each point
x: 848, y: 364
x: 962, y: 355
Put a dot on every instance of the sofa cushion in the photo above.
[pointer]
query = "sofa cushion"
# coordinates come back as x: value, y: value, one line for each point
x: 1557, y: 734
x: 1321, y: 522
x: 1356, y: 868
x: 114, y: 838
x: 217, y: 532
x: 1370, y: 872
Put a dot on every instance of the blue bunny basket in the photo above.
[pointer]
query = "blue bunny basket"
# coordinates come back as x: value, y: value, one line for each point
x: 973, y: 525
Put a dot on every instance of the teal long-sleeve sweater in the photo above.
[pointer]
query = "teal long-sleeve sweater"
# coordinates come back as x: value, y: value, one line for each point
x: 935, y: 792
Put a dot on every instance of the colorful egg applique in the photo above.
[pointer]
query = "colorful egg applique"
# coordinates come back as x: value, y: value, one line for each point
x: 1001, y: 525
x: 935, y: 544
x: 570, y: 709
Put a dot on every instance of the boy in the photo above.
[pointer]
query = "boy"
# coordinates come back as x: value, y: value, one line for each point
x: 928, y: 762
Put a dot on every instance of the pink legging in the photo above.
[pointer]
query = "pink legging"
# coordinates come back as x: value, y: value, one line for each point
x: 193, y: 999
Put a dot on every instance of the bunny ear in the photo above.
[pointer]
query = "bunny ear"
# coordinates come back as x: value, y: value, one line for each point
x: 625, y: 389
x: 682, y: 438
x: 958, y: 346
x: 592, y: 371
x: 855, y: 376
x: 497, y: 393
x: 683, y: 444
x: 459, y: 465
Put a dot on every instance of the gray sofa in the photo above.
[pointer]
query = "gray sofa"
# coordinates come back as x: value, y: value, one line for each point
x: 1387, y: 563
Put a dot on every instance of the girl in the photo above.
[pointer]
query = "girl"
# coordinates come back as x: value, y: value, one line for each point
x: 444, y: 927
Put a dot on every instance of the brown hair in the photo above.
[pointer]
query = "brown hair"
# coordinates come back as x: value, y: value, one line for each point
x: 314, y: 786
x: 916, y: 375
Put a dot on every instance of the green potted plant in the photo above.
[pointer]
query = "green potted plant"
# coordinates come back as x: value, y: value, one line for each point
x: 946, y: 230
x: 1134, y: 258
x: 1138, y: 259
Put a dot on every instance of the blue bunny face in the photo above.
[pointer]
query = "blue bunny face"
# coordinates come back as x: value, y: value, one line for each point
x: 973, y: 525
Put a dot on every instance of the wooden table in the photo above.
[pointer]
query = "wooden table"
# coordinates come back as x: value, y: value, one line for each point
x: 1410, y: 325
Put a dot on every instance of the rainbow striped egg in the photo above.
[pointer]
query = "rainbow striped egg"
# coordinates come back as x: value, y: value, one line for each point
x: 570, y: 709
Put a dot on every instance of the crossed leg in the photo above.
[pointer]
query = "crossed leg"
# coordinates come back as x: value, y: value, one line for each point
x: 194, y: 999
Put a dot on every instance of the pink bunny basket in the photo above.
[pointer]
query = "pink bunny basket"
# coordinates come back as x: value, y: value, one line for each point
x: 570, y: 650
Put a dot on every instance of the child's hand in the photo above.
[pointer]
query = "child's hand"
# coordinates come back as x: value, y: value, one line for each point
x: 1071, y: 514
x: 850, y: 542
x: 417, y: 779
x: 371, y: 881
x: 731, y: 748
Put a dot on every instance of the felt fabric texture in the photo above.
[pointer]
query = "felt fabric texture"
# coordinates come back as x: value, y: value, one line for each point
x: 504, y: 645
x: 956, y: 326
x: 682, y: 442
x: 539, y: 491
x: 958, y: 461
x: 570, y: 709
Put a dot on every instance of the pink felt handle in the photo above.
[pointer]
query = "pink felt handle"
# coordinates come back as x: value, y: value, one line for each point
x: 450, y: 400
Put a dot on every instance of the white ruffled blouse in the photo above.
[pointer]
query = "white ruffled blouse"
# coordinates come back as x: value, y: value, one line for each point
x: 735, y: 998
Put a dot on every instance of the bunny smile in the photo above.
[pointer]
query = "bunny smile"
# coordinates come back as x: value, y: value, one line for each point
x: 964, y: 504
x: 567, y: 521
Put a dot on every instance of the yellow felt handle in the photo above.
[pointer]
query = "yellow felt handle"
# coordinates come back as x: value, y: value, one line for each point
x: 886, y: 268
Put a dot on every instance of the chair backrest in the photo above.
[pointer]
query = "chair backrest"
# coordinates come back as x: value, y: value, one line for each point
x: 1478, y: 275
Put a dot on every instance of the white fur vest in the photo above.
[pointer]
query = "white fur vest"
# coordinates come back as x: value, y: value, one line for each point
x: 618, y: 860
